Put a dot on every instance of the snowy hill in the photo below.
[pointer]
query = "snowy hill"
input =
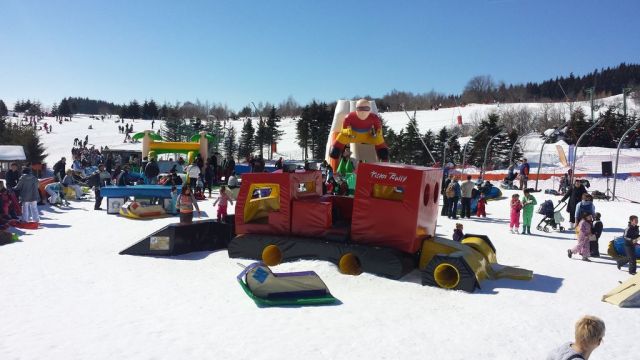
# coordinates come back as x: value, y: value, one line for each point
x: 67, y: 294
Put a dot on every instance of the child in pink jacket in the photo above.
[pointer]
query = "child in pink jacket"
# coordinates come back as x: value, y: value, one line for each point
x: 516, y: 206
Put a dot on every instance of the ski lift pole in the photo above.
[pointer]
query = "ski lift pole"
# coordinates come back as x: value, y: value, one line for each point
x: 464, y: 149
x: 486, y: 153
x: 419, y: 135
x: 615, y: 173
x: 260, y: 125
x: 575, y: 149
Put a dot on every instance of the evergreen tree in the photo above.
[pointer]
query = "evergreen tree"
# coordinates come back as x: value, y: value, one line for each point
x: 411, y: 145
x: 145, y: 110
x: 246, y: 147
x: 261, y: 136
x: 517, y: 150
x: 173, y: 129
x: 245, y: 112
x: 12, y: 134
x: 273, y: 133
x: 429, y: 139
x: 152, y: 110
x: 216, y: 131
x: 320, y: 128
x: 64, y: 109
x: 500, y: 149
x: 577, y: 125
x: 390, y: 138
x: 303, y: 131
x: 3, y: 109
x: 439, y: 145
x: 33, y: 148
x: 230, y: 145
x: 134, y: 110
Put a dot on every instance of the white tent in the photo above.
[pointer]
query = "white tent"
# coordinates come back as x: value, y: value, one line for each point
x: 12, y: 153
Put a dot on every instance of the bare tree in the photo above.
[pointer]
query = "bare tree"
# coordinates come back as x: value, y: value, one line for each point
x: 479, y: 89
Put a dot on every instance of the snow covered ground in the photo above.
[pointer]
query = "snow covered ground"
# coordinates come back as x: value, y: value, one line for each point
x: 67, y: 294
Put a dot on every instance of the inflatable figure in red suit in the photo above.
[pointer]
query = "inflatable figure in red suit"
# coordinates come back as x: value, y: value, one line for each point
x: 361, y: 127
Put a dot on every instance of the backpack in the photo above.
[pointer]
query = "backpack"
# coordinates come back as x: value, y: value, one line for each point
x: 451, y: 191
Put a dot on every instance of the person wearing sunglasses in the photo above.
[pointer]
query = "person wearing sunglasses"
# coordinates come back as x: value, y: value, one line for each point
x: 361, y: 127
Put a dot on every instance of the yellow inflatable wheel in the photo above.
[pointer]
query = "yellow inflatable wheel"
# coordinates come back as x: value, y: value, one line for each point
x: 271, y: 255
x: 349, y: 264
x: 449, y: 272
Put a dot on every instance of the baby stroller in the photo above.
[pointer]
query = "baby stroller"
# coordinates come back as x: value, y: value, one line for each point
x: 507, y: 183
x: 552, y: 216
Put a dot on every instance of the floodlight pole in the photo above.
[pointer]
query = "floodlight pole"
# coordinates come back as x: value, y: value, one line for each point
x: 590, y: 91
x: 486, y: 153
x: 615, y: 173
x: 464, y: 149
x: 575, y: 149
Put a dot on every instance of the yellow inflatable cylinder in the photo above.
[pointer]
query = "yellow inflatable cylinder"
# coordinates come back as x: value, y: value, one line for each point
x: 271, y: 255
x: 349, y: 264
x: 446, y: 276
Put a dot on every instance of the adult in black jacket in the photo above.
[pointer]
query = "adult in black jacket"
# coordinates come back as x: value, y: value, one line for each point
x: 59, y: 168
x: 445, y: 199
x: 12, y: 177
x: 575, y: 196
x: 151, y: 172
x: 209, y: 175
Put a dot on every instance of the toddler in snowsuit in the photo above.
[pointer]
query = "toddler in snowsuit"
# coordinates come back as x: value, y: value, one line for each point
x: 516, y: 206
x: 457, y: 233
x: 482, y: 202
x: 222, y: 202
x: 596, y: 229
x: 528, y: 203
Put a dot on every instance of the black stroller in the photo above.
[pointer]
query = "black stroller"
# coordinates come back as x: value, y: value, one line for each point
x: 552, y: 216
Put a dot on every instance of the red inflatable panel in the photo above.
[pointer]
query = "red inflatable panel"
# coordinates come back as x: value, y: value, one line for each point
x: 311, y: 217
x: 343, y: 205
x: 279, y: 222
x: 394, y: 205
x: 298, y: 185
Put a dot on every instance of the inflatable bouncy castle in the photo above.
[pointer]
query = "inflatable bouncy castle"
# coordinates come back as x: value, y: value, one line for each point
x: 152, y: 143
x: 384, y: 229
x: 356, y: 124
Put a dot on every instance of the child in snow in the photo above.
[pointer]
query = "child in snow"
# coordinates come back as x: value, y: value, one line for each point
x: 528, y: 203
x: 631, y: 238
x: 597, y: 231
x: 588, y: 336
x: 186, y: 202
x: 516, y: 206
x: 457, y: 233
x: 482, y: 203
x: 584, y: 236
x: 222, y: 202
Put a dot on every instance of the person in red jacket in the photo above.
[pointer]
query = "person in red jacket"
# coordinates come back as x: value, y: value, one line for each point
x: 482, y: 202
x: 362, y: 127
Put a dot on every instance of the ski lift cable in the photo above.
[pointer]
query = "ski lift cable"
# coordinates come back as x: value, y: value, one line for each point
x: 419, y: 135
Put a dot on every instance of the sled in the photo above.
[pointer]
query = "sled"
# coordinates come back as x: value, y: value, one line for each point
x: 24, y: 225
x: 297, y: 289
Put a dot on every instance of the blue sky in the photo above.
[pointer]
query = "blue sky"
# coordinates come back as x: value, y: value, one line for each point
x: 239, y: 51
